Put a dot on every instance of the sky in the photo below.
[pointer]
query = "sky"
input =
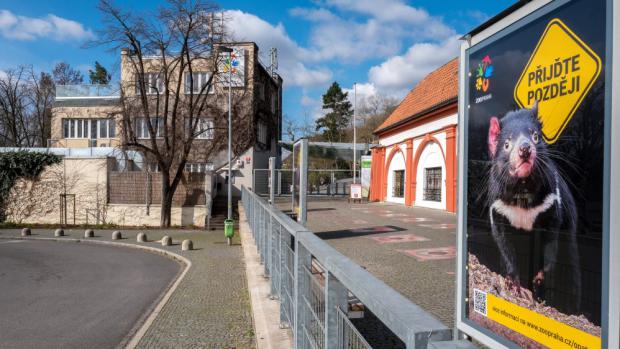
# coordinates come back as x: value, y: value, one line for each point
x: 384, y: 46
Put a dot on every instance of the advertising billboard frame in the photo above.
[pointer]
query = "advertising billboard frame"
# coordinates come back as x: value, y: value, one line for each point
x: 610, y: 302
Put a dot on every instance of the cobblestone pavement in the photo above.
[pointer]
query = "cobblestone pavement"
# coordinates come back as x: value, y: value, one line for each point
x: 210, y: 308
x: 411, y: 249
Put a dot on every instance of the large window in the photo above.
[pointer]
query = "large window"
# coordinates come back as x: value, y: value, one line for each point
x: 262, y: 133
x: 89, y: 128
x: 154, y: 83
x: 204, y: 129
x: 432, y: 184
x: 398, y: 189
x: 141, y: 127
x: 198, y: 167
x: 196, y: 82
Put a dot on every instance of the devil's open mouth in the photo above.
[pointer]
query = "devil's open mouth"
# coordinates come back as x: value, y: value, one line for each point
x: 522, y: 169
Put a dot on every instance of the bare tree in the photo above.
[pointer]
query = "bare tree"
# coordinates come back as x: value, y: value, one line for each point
x: 15, y: 123
x: 64, y: 74
x: 41, y: 96
x: 163, y: 103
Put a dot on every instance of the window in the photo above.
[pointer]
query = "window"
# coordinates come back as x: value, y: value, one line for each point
x: 154, y: 83
x: 262, y: 133
x: 198, y: 167
x: 141, y: 127
x: 398, y: 188
x: 106, y: 128
x: 432, y: 184
x: 89, y: 128
x: 204, y: 129
x: 199, y: 81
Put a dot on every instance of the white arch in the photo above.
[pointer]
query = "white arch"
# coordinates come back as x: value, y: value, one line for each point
x: 431, y: 157
x: 397, y: 163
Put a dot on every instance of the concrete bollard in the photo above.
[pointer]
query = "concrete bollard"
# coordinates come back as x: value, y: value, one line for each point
x: 116, y: 235
x: 26, y: 232
x: 89, y: 233
x: 187, y: 245
x: 141, y: 237
x: 59, y: 232
x: 166, y: 241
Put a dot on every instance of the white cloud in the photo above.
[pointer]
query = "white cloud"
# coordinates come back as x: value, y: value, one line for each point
x: 402, y: 72
x: 363, y: 91
x: 294, y: 60
x: 49, y: 27
x: 386, y: 24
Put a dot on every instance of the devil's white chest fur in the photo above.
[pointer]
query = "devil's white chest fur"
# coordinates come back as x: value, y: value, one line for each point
x: 524, y: 218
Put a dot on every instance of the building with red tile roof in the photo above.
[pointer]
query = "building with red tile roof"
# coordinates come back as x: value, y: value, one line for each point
x: 415, y: 160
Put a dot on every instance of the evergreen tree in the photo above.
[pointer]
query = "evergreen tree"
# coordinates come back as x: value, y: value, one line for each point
x: 337, y: 119
x: 100, y: 75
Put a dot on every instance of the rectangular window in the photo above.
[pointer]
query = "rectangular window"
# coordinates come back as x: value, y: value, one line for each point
x: 262, y: 133
x: 204, y: 129
x: 197, y: 82
x: 198, y: 167
x: 398, y: 188
x: 154, y: 83
x: 141, y: 127
x: 106, y: 128
x: 432, y: 184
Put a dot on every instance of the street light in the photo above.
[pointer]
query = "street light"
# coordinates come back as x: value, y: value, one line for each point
x: 229, y: 51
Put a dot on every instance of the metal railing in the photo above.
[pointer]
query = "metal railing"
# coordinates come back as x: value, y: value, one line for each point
x: 87, y: 91
x: 314, y: 282
x: 321, y: 182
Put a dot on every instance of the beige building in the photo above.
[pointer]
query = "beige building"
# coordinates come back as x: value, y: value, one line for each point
x: 87, y: 119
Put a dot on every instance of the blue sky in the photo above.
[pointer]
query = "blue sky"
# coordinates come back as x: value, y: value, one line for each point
x: 386, y: 46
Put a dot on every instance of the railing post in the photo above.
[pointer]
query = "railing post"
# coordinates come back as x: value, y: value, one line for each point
x: 303, y: 260
x: 282, y: 285
x: 268, y: 233
x: 335, y: 297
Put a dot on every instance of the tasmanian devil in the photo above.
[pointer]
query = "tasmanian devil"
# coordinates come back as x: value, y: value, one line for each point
x: 527, y: 195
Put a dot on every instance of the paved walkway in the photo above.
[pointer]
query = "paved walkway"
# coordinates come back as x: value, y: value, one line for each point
x: 410, y: 249
x: 210, y: 308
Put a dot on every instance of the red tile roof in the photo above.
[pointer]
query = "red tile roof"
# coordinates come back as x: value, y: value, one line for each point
x: 437, y: 88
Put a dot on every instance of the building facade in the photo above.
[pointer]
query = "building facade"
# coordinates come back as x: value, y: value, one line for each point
x: 89, y: 126
x: 415, y: 160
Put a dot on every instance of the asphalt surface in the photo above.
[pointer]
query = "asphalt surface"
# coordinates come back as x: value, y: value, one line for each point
x: 76, y: 295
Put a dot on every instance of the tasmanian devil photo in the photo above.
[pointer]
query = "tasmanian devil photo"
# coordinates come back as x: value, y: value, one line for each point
x: 528, y: 197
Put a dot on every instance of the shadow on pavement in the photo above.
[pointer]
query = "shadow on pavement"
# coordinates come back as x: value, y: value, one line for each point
x: 350, y: 233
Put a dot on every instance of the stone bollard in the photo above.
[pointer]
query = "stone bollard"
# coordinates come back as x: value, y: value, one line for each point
x: 141, y: 237
x: 89, y: 233
x: 59, y: 232
x: 26, y: 232
x: 166, y: 241
x: 116, y: 235
x: 187, y: 245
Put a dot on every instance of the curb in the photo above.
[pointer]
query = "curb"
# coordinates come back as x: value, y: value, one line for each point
x: 137, y: 336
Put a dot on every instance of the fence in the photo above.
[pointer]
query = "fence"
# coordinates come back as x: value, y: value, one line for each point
x: 314, y: 283
x: 139, y: 187
x: 320, y: 182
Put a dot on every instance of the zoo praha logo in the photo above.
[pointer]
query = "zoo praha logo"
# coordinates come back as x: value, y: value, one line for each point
x: 483, y: 74
x: 558, y: 75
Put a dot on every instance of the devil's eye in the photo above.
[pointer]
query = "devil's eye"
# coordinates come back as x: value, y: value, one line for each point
x: 507, y: 145
x: 535, y: 137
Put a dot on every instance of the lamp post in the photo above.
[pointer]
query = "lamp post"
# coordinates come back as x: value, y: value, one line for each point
x: 354, y: 133
x: 229, y: 51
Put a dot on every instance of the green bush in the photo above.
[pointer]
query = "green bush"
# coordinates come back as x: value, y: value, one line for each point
x: 20, y: 164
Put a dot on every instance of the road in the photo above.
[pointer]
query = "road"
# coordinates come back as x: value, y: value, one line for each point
x: 76, y: 295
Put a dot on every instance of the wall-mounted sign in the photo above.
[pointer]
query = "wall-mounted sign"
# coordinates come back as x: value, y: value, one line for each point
x: 533, y: 235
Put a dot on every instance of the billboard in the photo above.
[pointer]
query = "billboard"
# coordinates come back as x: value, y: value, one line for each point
x: 534, y: 115
x: 234, y: 64
x: 300, y: 180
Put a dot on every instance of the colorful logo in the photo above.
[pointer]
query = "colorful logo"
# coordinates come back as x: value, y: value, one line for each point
x: 483, y: 74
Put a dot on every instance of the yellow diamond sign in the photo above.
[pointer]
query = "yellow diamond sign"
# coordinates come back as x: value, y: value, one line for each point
x: 559, y: 74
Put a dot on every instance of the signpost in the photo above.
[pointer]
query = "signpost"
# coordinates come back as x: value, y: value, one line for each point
x: 365, y: 174
x: 539, y: 260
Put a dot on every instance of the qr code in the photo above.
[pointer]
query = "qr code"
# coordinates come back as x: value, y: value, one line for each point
x: 480, y: 302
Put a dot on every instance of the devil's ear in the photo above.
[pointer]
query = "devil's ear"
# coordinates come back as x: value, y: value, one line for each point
x: 535, y: 109
x: 494, y: 131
